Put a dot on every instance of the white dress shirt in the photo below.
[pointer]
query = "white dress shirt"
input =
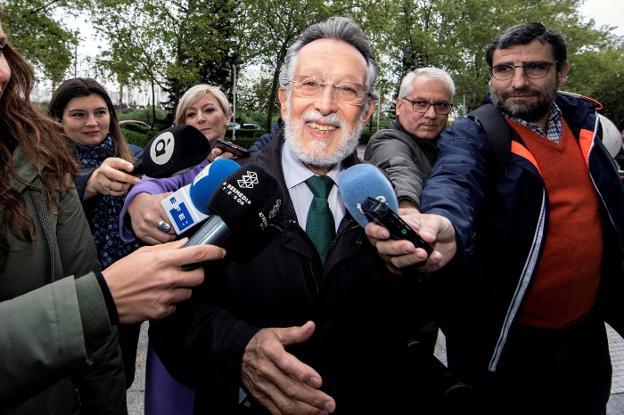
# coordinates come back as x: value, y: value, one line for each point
x: 295, y: 175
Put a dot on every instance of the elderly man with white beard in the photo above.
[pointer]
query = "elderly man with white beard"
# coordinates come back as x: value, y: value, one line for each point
x: 298, y: 326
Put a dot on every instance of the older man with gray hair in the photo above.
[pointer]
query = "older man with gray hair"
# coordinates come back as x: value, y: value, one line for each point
x: 309, y: 322
x: 406, y: 150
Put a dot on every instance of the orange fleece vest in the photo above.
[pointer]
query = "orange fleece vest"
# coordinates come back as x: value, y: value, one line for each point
x: 565, y: 284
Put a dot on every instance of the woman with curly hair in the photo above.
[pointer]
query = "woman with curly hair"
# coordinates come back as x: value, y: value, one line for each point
x: 44, y: 237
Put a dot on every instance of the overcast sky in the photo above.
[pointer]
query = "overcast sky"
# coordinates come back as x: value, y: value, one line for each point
x: 605, y: 12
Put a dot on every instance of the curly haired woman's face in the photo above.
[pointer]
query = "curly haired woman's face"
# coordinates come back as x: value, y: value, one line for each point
x: 86, y: 120
x: 5, y: 71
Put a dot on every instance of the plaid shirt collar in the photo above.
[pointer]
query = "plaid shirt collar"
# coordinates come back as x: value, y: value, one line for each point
x: 554, y: 126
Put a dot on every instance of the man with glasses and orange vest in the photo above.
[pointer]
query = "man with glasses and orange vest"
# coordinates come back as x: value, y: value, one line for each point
x: 534, y: 252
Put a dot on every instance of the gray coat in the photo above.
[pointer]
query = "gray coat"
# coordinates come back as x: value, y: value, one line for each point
x: 406, y: 159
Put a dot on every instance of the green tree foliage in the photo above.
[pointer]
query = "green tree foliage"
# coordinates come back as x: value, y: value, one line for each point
x: 610, y: 93
x: 204, y: 45
x: 608, y: 89
x: 178, y: 43
x: 175, y: 44
x: 268, y: 27
x: 253, y: 95
x: 42, y: 40
x: 454, y: 34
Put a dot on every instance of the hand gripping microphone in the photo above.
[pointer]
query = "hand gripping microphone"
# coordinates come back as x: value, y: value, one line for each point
x: 172, y: 151
x: 241, y: 206
x: 188, y: 206
x: 369, y: 196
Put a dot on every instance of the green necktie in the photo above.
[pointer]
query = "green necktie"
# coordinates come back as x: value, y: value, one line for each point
x: 320, y: 224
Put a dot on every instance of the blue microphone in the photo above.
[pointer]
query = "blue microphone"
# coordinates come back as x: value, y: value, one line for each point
x: 188, y: 206
x: 207, y: 180
x: 361, y: 181
x: 369, y: 196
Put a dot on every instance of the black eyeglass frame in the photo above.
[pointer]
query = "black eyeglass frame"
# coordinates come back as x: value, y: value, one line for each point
x: 434, y: 104
x: 524, y: 69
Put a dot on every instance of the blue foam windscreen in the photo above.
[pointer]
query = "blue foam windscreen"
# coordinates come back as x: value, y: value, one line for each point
x: 208, y: 180
x: 361, y: 181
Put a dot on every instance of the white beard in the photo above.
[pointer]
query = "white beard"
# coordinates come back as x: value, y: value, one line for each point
x: 316, y: 152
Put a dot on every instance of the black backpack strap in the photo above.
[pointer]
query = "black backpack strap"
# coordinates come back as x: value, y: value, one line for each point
x: 497, y: 132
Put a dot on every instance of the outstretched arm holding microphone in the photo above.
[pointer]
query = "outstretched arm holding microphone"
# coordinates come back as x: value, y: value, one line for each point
x: 432, y: 242
x: 170, y: 160
x: 74, y: 314
x: 111, y: 178
x: 147, y: 284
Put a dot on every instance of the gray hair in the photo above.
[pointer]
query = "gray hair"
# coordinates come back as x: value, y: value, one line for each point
x: 429, y: 72
x: 339, y: 28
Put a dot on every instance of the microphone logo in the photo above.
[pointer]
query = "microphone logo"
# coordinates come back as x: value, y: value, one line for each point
x: 247, y: 181
x: 162, y: 148
x: 275, y: 209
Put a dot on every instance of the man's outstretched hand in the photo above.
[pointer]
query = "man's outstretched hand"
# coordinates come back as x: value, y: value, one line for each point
x: 397, y: 254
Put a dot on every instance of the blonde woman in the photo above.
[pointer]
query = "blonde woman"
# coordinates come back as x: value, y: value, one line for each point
x: 204, y: 107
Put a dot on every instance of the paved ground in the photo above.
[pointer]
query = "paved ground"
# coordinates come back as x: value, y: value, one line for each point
x: 615, y: 406
x: 135, y: 393
x: 616, y: 403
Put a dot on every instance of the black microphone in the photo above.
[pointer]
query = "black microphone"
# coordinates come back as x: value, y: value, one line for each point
x: 172, y: 151
x: 244, y: 204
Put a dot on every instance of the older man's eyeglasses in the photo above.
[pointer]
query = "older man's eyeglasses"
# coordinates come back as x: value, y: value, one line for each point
x: 533, y: 70
x: 420, y: 105
x: 313, y: 87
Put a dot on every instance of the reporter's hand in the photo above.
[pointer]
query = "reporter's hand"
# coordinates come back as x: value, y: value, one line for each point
x: 278, y: 380
x: 434, y: 229
x: 145, y: 212
x: 111, y: 178
x: 217, y: 153
x: 147, y: 284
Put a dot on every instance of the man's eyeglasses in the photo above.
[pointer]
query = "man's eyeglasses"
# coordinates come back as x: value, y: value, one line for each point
x: 313, y: 87
x: 440, y: 108
x: 533, y: 70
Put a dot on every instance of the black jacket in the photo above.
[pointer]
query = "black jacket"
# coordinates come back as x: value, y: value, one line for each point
x: 360, y: 343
